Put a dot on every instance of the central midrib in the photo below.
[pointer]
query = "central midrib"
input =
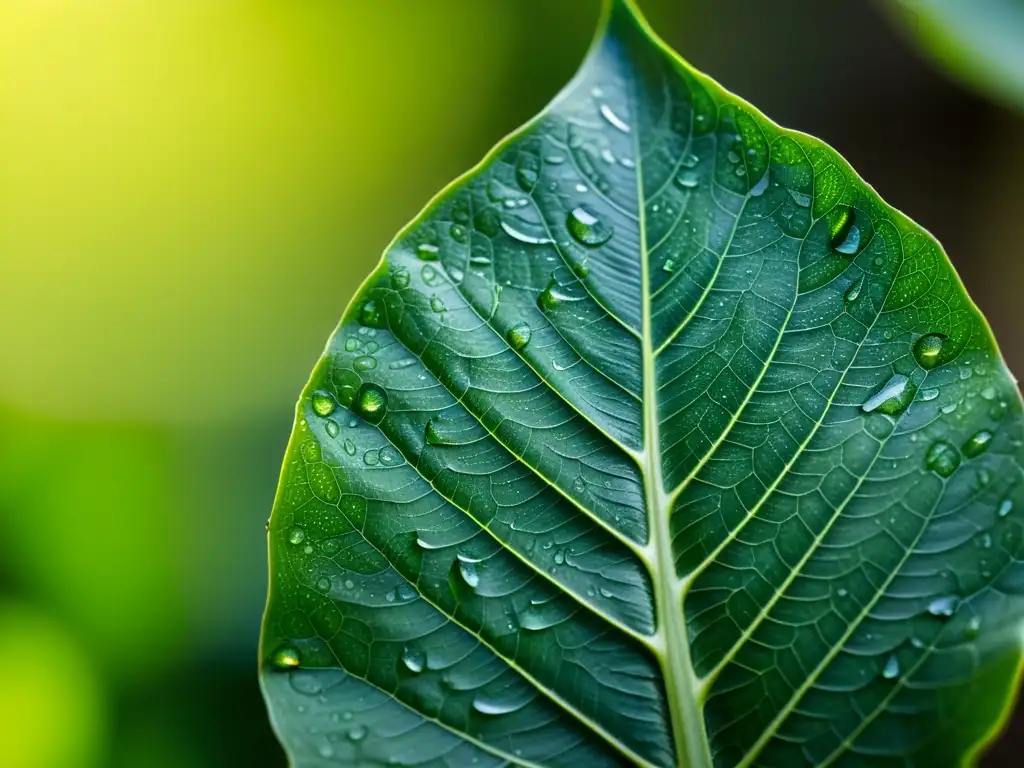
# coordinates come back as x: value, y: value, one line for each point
x: 671, y: 639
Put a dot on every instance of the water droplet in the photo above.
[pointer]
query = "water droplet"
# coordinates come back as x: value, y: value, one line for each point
x: 357, y: 733
x: 519, y: 335
x: 613, y: 119
x: 800, y: 198
x: 689, y: 161
x: 929, y: 394
x: 844, y: 234
x: 296, y: 536
x: 370, y: 315
x: 553, y: 297
x: 688, y: 180
x: 894, y: 396
x: 332, y: 427
x: 458, y: 233
x: 405, y: 362
x: 414, y: 659
x: 523, y: 237
x: 428, y: 252
x: 371, y: 402
x: 364, y: 363
x: 587, y: 228
x: 371, y: 458
x: 944, y: 607
x: 891, y: 669
x: 350, y: 448
x: 608, y: 156
x: 1005, y: 508
x: 942, y: 458
x: 973, y: 627
x: 733, y: 156
x: 559, y: 557
x: 323, y: 403
x: 467, y: 569
x: 488, y: 220
x: 555, y: 159
x: 285, y: 657
x: 759, y: 189
x: 323, y: 584
x: 436, y: 304
x: 928, y: 350
x: 853, y: 292
x: 488, y: 706
x: 400, y: 279
x: 669, y: 265
x: 977, y: 444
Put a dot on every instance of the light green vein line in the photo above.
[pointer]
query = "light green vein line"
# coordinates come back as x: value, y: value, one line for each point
x: 544, y: 691
x: 812, y: 678
x: 690, y: 737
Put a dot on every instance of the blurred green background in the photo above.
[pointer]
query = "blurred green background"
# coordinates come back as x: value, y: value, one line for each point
x: 190, y: 190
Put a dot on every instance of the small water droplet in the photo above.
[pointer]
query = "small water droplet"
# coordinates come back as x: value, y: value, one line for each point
x: 522, y: 237
x: 614, y: 120
x: 370, y: 315
x: 436, y: 304
x: 929, y: 394
x: 942, y: 458
x: 1005, y: 508
x: 944, y: 607
x: 285, y: 657
x: 357, y: 733
x: 519, y: 335
x: 891, y: 669
x: 587, y: 228
x: 928, y: 350
x: 371, y: 458
x: 388, y: 456
x: 844, y: 234
x: 400, y: 279
x: 761, y: 187
x: 323, y: 403
x: 977, y: 444
x: 669, y: 265
x: 428, y: 252
x: 459, y: 234
x: 371, y: 402
x: 414, y: 659
x: 733, y: 156
x: 894, y: 396
x: 296, y: 536
x: 688, y: 180
x: 332, y: 427
x: 553, y: 297
x: 559, y: 557
x: 323, y: 584
x: 467, y: 569
x: 350, y: 448
x: 488, y: 706
x: 853, y: 292
x: 364, y: 363
x: 405, y: 362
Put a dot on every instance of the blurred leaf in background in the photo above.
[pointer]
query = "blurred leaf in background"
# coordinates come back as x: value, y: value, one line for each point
x: 189, y: 193
x: 980, y: 42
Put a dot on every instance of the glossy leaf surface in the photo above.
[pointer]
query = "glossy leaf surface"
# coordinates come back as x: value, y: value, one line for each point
x: 657, y: 439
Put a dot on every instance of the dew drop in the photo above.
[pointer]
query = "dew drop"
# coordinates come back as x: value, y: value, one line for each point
x: 891, y: 669
x: 350, y: 448
x: 844, y: 234
x: 458, y: 233
x: 522, y: 237
x: 323, y: 584
x: 371, y: 458
x: 942, y: 458
x: 370, y: 315
x: 928, y: 350
x: 853, y: 292
x: 688, y: 180
x: 977, y: 444
x: 759, y: 189
x: 296, y: 536
x: 414, y: 659
x: 944, y: 607
x: 894, y: 396
x: 371, y: 402
x: 285, y: 657
x: 733, y: 156
x: 405, y: 362
x: 669, y: 265
x: 357, y: 733
x: 973, y: 627
x: 400, y: 279
x: 427, y: 252
x: 364, y: 363
x: 488, y: 706
x: 689, y: 161
x: 553, y: 297
x: 332, y: 427
x: 1005, y: 508
x: 436, y: 304
x: 614, y: 120
x: 587, y: 228
x: 519, y: 335
x: 929, y: 394
x: 323, y: 403
x: 388, y: 456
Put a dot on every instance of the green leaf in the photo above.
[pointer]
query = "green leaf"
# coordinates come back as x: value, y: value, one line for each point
x: 980, y: 42
x: 657, y: 439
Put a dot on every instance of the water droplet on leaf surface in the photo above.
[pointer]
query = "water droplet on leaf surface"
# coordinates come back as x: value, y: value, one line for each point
x: 928, y: 350
x: 371, y: 402
x: 323, y: 403
x: 587, y: 228
x: 942, y: 458
x: 519, y: 335
x: 285, y: 657
x: 977, y: 444
x: 414, y: 659
x: 944, y: 607
x: 894, y: 396
x: 427, y: 252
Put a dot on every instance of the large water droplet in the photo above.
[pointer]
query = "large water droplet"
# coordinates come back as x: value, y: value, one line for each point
x: 519, y: 335
x: 928, y: 350
x: 296, y: 536
x: 414, y: 659
x: 488, y: 706
x: 370, y: 314
x: 554, y: 296
x: 371, y: 402
x: 977, y: 444
x: 428, y: 252
x: 523, y: 237
x: 323, y: 403
x: 587, y: 228
x: 688, y: 180
x: 844, y: 234
x: 468, y: 571
x: 944, y: 607
x: 614, y: 120
x: 285, y: 657
x: 891, y: 669
x: 942, y: 458
x: 894, y: 396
